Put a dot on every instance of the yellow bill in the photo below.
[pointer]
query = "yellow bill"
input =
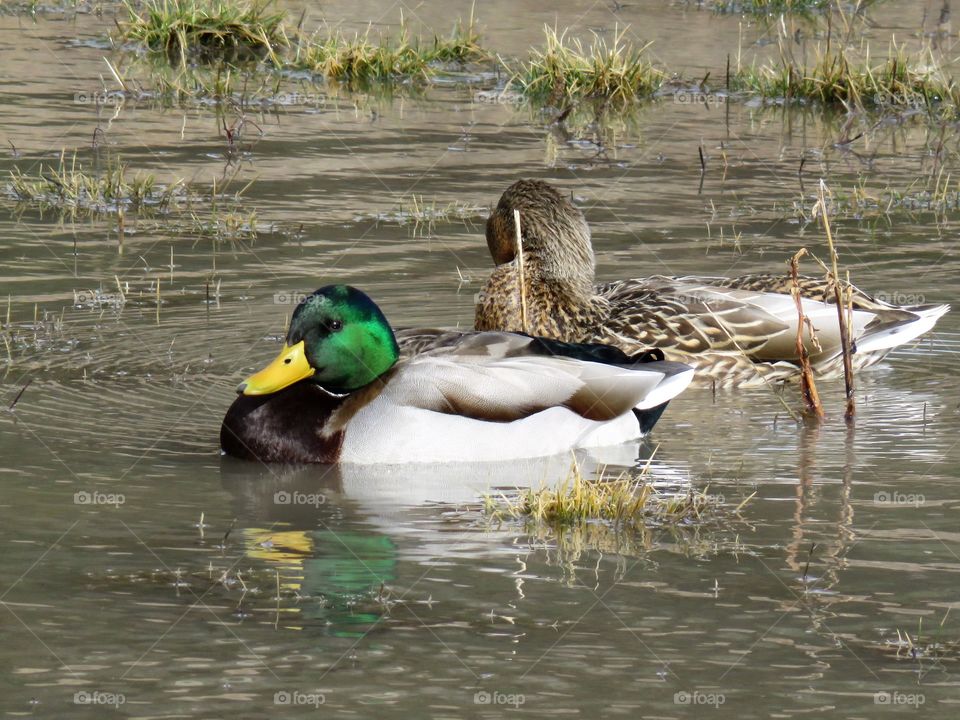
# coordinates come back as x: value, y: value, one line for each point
x: 290, y: 366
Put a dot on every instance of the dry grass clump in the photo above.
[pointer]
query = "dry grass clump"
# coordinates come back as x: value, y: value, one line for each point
x: 623, y: 499
x: 359, y: 59
x: 623, y: 515
x: 205, y: 29
x: 834, y: 78
x: 563, y: 71
x: 187, y: 31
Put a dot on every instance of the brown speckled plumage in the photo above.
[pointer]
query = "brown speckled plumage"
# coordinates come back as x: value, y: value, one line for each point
x: 717, y: 325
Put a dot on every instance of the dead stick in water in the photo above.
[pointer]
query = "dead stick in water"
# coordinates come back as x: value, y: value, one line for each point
x: 811, y: 398
x: 24, y: 389
x: 840, y: 298
x: 522, y: 279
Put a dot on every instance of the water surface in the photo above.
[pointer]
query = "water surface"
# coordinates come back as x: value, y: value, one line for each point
x: 396, y: 598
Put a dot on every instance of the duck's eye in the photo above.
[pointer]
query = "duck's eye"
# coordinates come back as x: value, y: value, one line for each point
x: 335, y: 325
x: 287, y: 361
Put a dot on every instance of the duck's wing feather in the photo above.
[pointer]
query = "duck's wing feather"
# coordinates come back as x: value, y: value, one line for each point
x: 695, y: 315
x: 413, y: 341
x: 690, y: 316
x: 819, y: 288
x: 503, y: 389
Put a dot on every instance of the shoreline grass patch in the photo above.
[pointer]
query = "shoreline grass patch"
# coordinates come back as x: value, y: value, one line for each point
x: 565, y: 72
x: 206, y: 29
x: 837, y: 79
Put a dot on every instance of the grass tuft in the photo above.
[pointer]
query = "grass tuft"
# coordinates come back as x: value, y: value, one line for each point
x: 113, y: 193
x: 564, y: 71
x: 834, y: 78
x: 206, y: 29
x: 360, y: 60
x: 623, y: 500
x: 771, y: 7
x: 68, y: 185
x: 187, y: 30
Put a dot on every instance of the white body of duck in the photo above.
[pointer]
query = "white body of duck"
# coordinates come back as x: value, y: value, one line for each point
x: 340, y: 392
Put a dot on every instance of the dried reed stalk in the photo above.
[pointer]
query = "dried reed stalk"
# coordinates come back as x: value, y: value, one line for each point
x: 843, y: 297
x: 811, y: 398
x: 522, y: 278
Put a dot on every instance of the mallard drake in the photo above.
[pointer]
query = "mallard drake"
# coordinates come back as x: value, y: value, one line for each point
x: 340, y: 392
x: 734, y: 331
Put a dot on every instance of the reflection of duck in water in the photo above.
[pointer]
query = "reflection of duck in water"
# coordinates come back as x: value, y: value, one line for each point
x: 734, y: 331
x: 338, y: 392
x: 369, y: 521
x: 337, y: 575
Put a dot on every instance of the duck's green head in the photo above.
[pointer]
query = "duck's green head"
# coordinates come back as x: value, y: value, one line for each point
x: 338, y: 338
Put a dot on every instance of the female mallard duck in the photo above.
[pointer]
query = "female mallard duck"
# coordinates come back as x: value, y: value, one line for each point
x: 338, y: 392
x: 734, y: 331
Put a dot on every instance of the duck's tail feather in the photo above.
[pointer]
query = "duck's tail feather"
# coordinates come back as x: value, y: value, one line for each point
x: 888, y: 335
x: 675, y: 379
x: 649, y: 418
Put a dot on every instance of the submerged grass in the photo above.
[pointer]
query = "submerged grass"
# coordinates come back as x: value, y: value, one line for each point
x: 68, y: 185
x: 564, y: 71
x: 132, y: 200
x: 423, y: 215
x: 199, y: 29
x: 937, y: 196
x: 771, y: 7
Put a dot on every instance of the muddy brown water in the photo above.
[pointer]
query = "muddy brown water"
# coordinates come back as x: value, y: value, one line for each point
x: 834, y: 597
